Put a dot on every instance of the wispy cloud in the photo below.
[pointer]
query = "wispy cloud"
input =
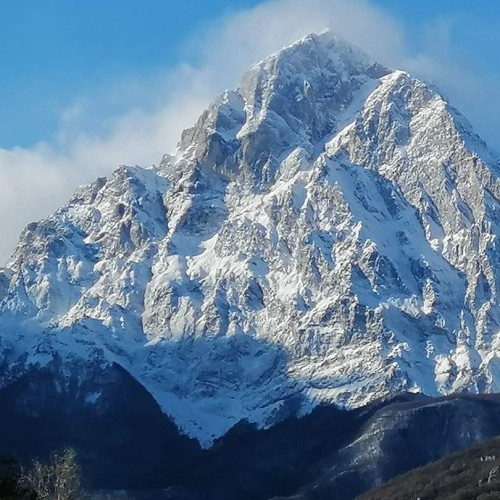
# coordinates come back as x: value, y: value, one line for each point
x: 101, y: 131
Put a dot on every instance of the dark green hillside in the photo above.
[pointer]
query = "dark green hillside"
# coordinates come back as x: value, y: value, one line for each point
x: 470, y: 474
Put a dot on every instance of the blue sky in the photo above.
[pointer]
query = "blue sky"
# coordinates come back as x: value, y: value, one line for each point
x: 88, y: 84
x: 54, y: 51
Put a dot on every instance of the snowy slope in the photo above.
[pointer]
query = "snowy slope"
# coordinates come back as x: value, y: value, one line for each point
x: 327, y: 232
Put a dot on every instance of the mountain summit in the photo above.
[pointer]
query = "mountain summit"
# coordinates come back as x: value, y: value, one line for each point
x: 326, y: 232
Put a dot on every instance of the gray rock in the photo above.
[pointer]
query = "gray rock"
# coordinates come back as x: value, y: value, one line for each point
x: 328, y: 230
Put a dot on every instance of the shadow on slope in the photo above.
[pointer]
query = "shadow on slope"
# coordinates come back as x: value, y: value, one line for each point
x: 123, y: 439
x: 125, y: 442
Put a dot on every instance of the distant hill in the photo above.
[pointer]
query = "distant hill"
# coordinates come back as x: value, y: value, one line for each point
x: 474, y: 473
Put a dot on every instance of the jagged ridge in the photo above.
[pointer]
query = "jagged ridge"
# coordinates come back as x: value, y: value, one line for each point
x: 325, y: 232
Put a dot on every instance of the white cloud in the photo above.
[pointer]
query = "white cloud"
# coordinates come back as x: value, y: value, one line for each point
x: 35, y: 181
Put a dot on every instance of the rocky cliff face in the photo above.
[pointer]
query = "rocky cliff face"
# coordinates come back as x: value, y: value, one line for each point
x: 327, y: 232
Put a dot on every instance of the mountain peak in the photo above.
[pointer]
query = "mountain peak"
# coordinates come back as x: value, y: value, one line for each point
x: 295, y: 97
x: 325, y: 44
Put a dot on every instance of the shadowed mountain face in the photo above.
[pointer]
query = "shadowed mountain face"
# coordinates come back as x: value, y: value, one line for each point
x: 125, y: 442
x: 123, y: 439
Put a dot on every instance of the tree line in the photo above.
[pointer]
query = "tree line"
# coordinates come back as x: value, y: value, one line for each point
x: 58, y: 479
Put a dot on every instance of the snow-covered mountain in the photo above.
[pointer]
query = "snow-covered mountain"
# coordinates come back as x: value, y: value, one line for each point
x: 326, y: 232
